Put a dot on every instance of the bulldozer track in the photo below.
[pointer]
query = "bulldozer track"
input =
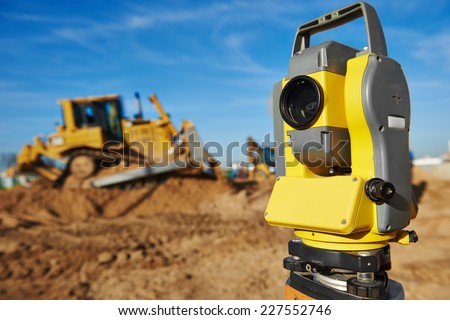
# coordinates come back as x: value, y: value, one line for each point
x: 103, y: 160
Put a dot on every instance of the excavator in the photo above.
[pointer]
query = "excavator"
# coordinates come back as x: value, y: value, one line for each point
x: 97, y: 146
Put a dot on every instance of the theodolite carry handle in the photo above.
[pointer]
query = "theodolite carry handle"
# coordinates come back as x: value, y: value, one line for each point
x: 375, y: 35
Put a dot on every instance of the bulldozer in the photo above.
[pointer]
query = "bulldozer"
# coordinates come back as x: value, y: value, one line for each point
x: 97, y: 146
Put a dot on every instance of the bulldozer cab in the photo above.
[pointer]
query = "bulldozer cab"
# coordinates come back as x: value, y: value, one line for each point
x: 105, y: 112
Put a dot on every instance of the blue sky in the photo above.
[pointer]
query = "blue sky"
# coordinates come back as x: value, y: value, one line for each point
x: 213, y: 62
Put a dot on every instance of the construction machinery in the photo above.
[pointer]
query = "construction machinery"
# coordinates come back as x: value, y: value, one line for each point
x: 98, y: 146
x: 341, y: 121
x: 260, y: 161
x: 258, y: 167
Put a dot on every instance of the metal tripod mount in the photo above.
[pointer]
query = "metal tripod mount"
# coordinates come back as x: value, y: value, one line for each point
x: 341, y: 122
x: 331, y: 274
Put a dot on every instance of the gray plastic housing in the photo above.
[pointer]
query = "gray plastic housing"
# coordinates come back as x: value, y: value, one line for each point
x: 374, y: 31
x: 328, y: 56
x: 278, y: 129
x: 386, y: 104
x: 322, y: 149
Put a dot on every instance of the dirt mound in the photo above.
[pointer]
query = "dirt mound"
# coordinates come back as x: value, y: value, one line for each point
x: 186, y: 238
x: 43, y: 204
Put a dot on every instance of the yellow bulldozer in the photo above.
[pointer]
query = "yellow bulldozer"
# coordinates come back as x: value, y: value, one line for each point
x: 97, y: 146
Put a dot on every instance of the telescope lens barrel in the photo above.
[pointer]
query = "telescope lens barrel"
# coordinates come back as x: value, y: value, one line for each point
x: 301, y: 102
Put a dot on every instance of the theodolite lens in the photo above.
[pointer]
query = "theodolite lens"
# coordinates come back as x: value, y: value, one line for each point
x: 301, y: 102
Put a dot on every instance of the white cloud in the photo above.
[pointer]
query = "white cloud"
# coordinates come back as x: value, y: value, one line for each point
x: 38, y: 18
x: 234, y: 40
x: 434, y: 84
x: 101, y: 35
x: 236, y: 56
x: 138, y: 21
x: 248, y: 103
x: 145, y: 17
x: 430, y: 49
x: 8, y: 84
x: 434, y: 48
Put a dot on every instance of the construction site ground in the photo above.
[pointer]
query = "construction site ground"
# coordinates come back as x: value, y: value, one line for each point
x: 187, y: 238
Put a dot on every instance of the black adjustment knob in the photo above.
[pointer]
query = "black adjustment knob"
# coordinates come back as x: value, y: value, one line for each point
x: 413, y: 237
x: 376, y: 289
x: 292, y: 264
x: 379, y: 191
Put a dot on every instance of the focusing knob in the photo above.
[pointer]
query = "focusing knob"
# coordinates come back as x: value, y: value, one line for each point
x: 379, y: 191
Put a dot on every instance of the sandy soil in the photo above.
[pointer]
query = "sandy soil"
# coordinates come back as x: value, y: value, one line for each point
x: 187, y: 238
x: 424, y: 267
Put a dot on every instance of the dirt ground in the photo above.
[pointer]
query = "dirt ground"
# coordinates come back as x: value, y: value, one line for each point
x: 424, y: 267
x: 187, y: 238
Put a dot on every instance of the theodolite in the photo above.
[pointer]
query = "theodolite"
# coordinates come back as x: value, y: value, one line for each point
x: 341, y: 122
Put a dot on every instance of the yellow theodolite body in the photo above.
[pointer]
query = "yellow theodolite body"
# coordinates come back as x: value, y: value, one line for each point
x: 360, y: 133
